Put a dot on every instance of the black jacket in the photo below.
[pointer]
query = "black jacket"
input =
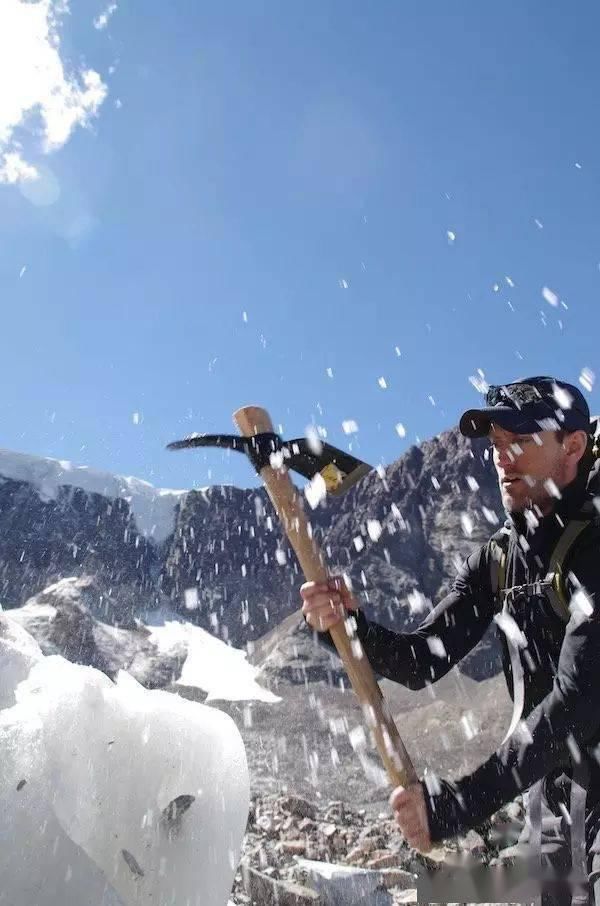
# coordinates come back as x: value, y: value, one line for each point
x: 561, y: 663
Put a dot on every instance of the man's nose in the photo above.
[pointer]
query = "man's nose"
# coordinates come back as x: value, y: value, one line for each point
x: 504, y: 456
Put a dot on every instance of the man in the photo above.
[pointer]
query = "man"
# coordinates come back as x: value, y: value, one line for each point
x: 541, y: 437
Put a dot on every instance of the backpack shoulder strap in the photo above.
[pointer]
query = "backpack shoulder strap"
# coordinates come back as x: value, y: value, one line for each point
x: 556, y: 579
x: 498, y: 546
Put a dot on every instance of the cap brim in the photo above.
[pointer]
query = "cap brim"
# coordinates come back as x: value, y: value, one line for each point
x: 477, y: 422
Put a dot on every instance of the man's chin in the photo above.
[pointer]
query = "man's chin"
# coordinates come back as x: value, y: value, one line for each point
x: 514, y: 503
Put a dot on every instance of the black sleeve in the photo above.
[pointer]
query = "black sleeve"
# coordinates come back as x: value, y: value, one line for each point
x: 451, y: 630
x: 564, y: 722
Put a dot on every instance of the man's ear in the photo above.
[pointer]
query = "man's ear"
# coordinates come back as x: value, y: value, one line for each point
x: 575, y: 444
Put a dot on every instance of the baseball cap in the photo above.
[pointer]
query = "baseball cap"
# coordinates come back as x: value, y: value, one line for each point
x: 529, y: 405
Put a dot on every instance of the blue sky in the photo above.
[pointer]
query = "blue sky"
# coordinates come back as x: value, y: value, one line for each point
x: 302, y: 163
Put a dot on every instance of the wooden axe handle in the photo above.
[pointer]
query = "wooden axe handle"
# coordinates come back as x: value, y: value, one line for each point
x: 285, y: 498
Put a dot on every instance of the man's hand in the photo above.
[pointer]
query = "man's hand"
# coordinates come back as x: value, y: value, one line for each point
x: 326, y: 603
x: 410, y: 811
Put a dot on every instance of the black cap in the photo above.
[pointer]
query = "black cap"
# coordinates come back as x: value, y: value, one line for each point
x: 527, y: 406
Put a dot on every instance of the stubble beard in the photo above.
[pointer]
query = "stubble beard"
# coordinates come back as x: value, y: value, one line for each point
x: 535, y: 496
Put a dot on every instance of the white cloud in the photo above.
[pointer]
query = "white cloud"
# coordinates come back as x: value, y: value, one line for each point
x: 34, y: 83
x: 101, y: 21
x: 14, y: 169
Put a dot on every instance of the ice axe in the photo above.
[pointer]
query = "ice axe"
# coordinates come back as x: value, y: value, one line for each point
x: 272, y: 458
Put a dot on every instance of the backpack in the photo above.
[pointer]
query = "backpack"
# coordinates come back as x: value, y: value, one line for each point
x: 554, y: 585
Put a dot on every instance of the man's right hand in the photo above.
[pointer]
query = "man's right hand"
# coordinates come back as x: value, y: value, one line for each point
x: 326, y: 603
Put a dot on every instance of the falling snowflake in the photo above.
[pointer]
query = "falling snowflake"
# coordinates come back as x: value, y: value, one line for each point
x: 22, y: 271
x: 374, y: 529
x: 400, y: 430
x: 313, y: 440
x: 358, y: 738
x: 581, y: 604
x: 358, y: 543
x: 479, y: 382
x: 136, y: 418
x: 574, y: 750
x: 276, y: 459
x: 539, y: 224
x: 343, y: 284
x: 496, y: 287
x: 397, y: 350
x: 552, y: 488
x: 357, y: 649
x: 562, y: 397
x: 510, y: 282
x: 466, y: 524
x: 382, y: 383
x: 490, y: 516
x: 550, y: 296
x: 524, y: 543
x: 587, y: 378
x: 469, y: 725
x: 509, y: 627
x: 281, y: 556
x: 315, y: 491
x: 436, y: 646
x: 245, y: 317
x: 473, y: 483
x: 190, y: 598
x: 349, y: 426
x: 451, y: 236
x: 330, y: 372
x: 417, y: 602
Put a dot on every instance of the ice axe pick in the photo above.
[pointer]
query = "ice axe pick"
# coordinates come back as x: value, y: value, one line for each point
x: 272, y: 458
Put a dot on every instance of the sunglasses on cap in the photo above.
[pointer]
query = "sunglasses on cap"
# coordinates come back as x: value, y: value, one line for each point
x: 521, y: 394
x: 515, y: 394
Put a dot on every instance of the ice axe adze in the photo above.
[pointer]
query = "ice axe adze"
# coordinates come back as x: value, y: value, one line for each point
x: 272, y: 457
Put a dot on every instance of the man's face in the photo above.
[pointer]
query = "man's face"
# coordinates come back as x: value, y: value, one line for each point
x: 528, y: 467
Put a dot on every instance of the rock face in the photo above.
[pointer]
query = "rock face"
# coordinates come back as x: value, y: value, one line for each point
x: 73, y: 533
x: 222, y: 563
x: 281, y: 839
x: 61, y: 619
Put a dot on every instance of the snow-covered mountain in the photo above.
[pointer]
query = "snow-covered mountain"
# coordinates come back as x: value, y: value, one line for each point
x: 216, y: 556
x: 153, y: 509
x: 146, y: 548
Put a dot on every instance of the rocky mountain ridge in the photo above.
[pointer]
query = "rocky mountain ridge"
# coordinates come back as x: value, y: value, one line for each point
x: 223, y: 563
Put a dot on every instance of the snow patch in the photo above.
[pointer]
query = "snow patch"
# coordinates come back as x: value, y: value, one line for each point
x: 211, y: 665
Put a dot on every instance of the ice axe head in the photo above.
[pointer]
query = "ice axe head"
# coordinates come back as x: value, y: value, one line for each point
x: 308, y: 457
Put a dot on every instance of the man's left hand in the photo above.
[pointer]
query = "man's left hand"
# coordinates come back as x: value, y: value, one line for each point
x: 410, y: 811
